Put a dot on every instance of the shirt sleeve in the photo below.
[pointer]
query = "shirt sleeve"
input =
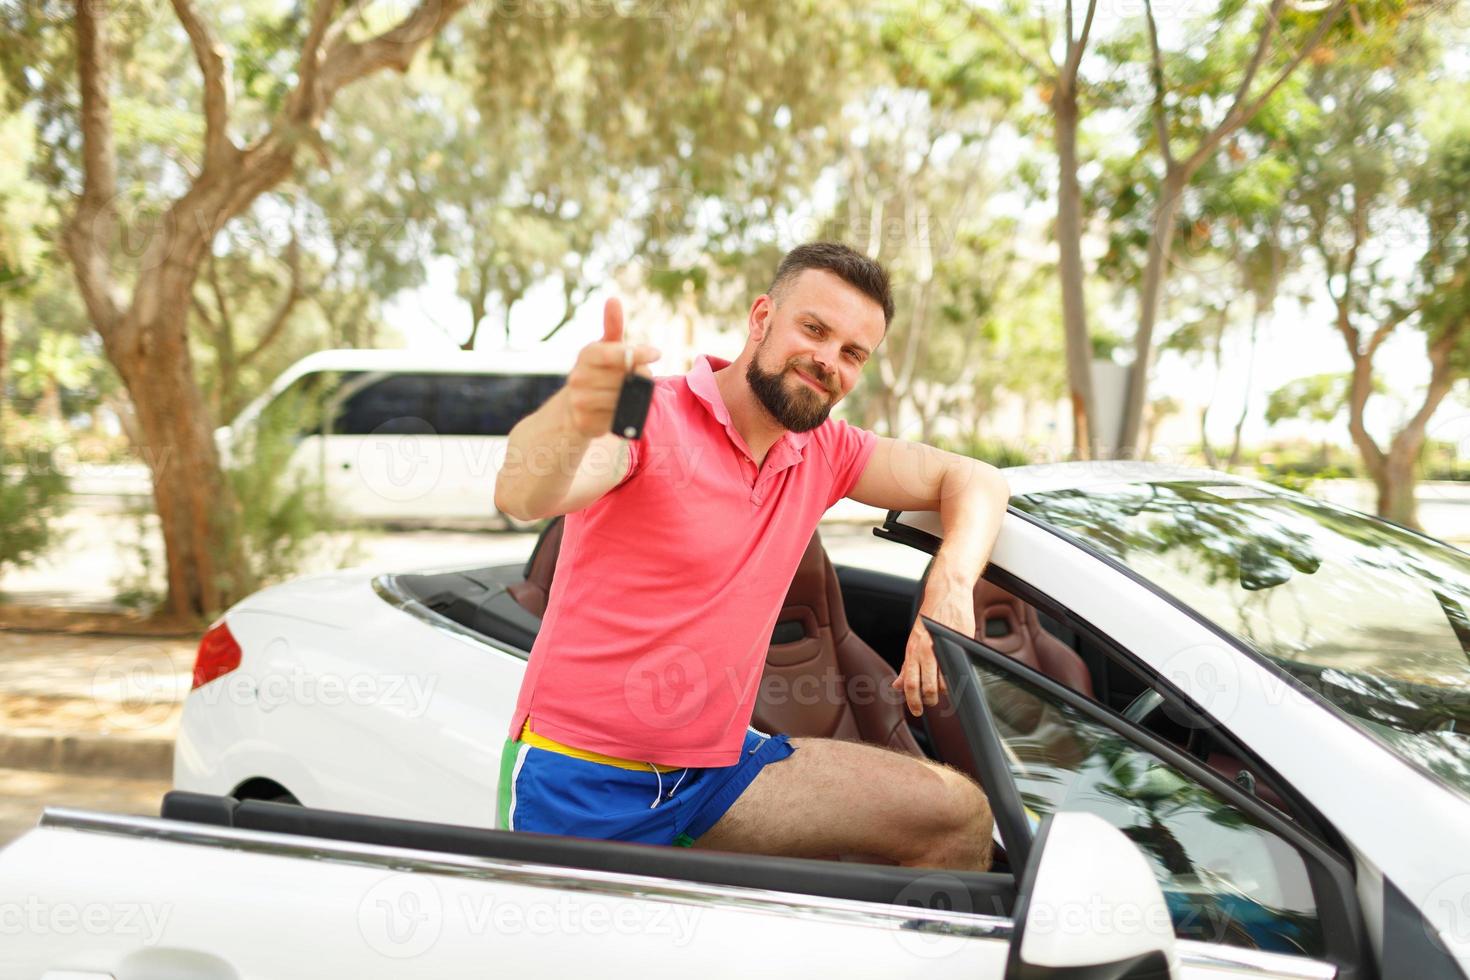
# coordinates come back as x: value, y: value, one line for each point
x: 852, y: 447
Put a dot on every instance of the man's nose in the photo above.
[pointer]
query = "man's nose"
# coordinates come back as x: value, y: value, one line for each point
x: 825, y: 357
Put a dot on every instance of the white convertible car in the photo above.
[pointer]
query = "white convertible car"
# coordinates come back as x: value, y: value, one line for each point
x: 1225, y: 730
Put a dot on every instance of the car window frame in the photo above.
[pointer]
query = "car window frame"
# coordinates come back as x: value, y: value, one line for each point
x: 1300, y: 809
x: 1297, y: 685
x: 1330, y: 876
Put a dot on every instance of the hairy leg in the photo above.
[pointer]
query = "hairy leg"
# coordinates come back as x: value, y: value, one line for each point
x: 837, y: 797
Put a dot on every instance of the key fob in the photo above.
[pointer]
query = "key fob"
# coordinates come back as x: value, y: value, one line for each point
x: 632, y: 409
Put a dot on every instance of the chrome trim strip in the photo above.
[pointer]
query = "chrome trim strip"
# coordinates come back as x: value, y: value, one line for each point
x: 868, y: 914
x: 387, y: 588
x: 1279, y: 965
x: 621, y: 884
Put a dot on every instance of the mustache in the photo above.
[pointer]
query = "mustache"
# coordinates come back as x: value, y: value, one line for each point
x: 820, y: 377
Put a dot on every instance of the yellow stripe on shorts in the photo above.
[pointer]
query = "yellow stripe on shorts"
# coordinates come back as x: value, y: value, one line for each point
x: 551, y: 745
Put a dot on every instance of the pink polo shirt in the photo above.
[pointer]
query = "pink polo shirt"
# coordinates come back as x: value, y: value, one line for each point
x: 668, y: 586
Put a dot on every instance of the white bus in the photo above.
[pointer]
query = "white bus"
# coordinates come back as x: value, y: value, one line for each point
x: 400, y: 434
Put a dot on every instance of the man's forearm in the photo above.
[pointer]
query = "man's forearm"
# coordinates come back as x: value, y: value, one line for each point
x: 542, y: 454
x: 972, y: 504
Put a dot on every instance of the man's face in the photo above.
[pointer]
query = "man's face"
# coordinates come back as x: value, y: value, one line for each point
x: 816, y: 341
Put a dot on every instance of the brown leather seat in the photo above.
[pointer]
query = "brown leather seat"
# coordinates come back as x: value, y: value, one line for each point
x: 1012, y: 627
x: 536, y: 589
x: 821, y: 679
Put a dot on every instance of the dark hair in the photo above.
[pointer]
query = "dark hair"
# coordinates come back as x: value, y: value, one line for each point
x: 849, y: 265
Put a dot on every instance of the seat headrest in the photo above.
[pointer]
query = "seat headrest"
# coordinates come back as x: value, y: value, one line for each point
x: 1001, y: 621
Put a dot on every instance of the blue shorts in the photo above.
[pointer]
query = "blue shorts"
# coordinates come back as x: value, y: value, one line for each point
x: 551, y: 793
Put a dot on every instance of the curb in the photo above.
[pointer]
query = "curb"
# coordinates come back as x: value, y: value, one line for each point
x: 88, y: 755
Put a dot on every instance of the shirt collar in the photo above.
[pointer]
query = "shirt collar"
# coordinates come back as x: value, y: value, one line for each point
x: 702, y: 382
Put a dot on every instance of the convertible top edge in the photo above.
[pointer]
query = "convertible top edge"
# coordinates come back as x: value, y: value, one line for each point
x: 621, y: 883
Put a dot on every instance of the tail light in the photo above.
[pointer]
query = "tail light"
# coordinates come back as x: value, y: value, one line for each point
x: 218, y: 655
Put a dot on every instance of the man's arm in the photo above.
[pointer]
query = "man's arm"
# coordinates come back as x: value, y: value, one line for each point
x: 971, y: 497
x: 562, y: 456
x: 550, y: 468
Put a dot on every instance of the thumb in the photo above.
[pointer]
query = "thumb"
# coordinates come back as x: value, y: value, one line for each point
x: 612, y: 320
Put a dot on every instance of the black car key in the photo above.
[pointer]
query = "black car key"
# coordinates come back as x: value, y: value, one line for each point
x: 633, y: 402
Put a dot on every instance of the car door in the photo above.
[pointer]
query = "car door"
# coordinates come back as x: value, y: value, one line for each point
x: 1236, y: 874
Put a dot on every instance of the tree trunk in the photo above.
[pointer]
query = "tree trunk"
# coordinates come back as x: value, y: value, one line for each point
x: 145, y: 330
x: 1159, y: 249
x: 477, y: 316
x: 1069, y: 267
x: 1245, y: 398
x: 1396, y: 494
x: 4, y: 398
x: 1211, y: 460
x: 197, y: 513
x: 1393, y: 472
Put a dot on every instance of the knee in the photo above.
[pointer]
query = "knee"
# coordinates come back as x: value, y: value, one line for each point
x: 965, y: 825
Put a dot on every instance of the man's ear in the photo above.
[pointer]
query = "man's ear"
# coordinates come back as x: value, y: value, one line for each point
x: 759, y: 320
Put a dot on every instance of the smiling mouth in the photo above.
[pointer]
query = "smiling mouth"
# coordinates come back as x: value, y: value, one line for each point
x: 810, y: 381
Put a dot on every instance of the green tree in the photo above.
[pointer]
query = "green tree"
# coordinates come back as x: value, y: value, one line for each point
x: 707, y: 148
x: 136, y: 272
x: 32, y: 491
x: 1061, y: 85
x: 23, y: 213
x: 1196, y: 101
x: 1384, y: 173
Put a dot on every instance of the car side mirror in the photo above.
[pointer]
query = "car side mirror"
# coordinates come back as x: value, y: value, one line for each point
x: 1090, y: 908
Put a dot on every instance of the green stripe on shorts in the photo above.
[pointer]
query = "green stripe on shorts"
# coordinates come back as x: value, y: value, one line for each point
x: 508, y: 753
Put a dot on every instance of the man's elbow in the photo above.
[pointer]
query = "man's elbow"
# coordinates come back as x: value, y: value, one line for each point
x: 1000, y: 486
x: 509, y: 506
x: 974, y: 473
x: 997, y: 488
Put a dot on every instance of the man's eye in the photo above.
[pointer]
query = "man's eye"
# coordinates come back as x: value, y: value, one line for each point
x: 813, y: 328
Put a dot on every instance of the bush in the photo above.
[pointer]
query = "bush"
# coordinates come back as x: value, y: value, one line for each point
x: 33, y: 494
x: 1297, y: 465
x: 1440, y: 460
x: 281, y: 513
x: 996, y: 452
x: 280, y: 516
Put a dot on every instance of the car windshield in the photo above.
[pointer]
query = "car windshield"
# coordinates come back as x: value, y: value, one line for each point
x: 1371, y: 616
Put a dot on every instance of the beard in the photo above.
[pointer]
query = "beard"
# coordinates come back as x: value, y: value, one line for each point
x: 794, y: 403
